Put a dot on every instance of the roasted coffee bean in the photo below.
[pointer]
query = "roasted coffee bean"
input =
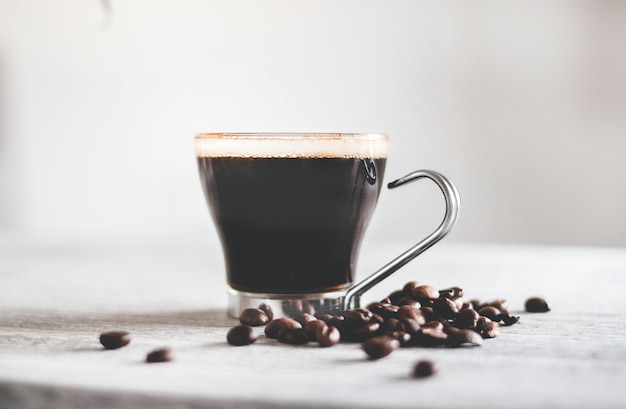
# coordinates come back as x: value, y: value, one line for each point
x: 357, y: 317
x: 490, y: 312
x: 429, y: 337
x: 489, y: 329
x: 385, y: 300
x: 433, y: 325
x: 385, y: 310
x: 324, y: 317
x: 241, y: 335
x: 254, y: 317
x: 402, y: 336
x: 425, y: 292
x: 380, y: 346
x: 409, y: 301
x: 392, y: 324
x: 303, y: 318
x: 409, y: 288
x: 360, y: 333
x: 463, y: 337
x: 429, y: 313
x: 466, y: 319
x: 267, y: 310
x: 273, y: 328
x: 159, y: 355
x: 114, y: 339
x: 312, y: 327
x: 327, y: 336
x: 445, y: 308
x: 406, y: 312
x: 293, y: 336
x: 508, y: 319
x: 476, y: 304
x: 395, y: 296
x: 452, y: 293
x: 423, y: 369
x: 499, y: 303
x: 338, y: 322
x: 536, y: 304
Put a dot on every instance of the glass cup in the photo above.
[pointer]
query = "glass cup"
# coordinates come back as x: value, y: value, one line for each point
x: 291, y: 211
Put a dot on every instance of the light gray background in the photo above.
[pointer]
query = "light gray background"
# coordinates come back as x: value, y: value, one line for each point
x: 521, y: 104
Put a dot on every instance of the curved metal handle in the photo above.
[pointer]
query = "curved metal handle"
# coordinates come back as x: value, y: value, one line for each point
x: 352, y: 298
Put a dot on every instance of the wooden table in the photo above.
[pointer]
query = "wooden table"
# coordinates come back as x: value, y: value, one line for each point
x: 59, y: 294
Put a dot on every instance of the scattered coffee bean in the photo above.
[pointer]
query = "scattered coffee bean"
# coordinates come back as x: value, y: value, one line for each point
x: 409, y: 288
x: 267, y: 310
x: 327, y: 336
x: 241, y: 335
x: 159, y: 355
x: 114, y: 339
x: 380, y: 346
x: 357, y: 317
x: 273, y: 328
x: 254, y: 317
x: 536, y: 304
x: 293, y: 336
x: 423, y: 369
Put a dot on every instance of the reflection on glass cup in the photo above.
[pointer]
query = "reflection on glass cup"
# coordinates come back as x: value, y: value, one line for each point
x: 291, y: 211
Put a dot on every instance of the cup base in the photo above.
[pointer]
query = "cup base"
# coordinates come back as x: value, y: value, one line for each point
x: 286, y: 305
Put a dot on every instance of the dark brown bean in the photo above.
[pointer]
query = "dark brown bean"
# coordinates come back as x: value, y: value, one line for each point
x: 380, y: 346
x: 273, y: 328
x: 392, y: 324
x: 114, y: 339
x: 508, y: 319
x: 360, y: 333
x: 267, y: 310
x: 463, y: 337
x: 402, y: 336
x: 425, y: 292
x: 452, y: 293
x: 395, y: 296
x: 489, y: 329
x: 409, y: 301
x: 536, y: 304
x: 466, y: 319
x: 490, y: 312
x: 445, y: 308
x: 159, y: 355
x: 253, y: 317
x: 241, y: 335
x: 406, y: 312
x: 409, y: 288
x: 304, y: 317
x: 499, y: 303
x: 429, y: 337
x: 293, y: 336
x: 423, y: 369
x: 327, y: 336
x: 312, y: 327
x: 357, y: 316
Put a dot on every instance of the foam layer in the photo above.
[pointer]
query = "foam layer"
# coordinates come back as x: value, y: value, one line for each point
x: 292, y: 145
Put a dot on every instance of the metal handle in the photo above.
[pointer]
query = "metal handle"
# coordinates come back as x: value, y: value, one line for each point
x: 352, y: 298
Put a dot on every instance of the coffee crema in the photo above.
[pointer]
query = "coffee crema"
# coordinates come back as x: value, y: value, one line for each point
x: 291, y: 211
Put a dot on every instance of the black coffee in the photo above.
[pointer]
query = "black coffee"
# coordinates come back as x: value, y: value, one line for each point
x: 291, y: 224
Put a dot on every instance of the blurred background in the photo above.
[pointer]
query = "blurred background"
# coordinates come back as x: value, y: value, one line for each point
x: 521, y: 104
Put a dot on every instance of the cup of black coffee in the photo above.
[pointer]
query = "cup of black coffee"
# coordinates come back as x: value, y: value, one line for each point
x: 291, y: 211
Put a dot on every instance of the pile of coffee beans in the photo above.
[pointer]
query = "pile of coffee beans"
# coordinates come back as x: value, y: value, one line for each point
x: 418, y: 315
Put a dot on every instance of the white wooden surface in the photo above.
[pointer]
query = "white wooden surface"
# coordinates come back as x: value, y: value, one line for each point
x: 57, y: 295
